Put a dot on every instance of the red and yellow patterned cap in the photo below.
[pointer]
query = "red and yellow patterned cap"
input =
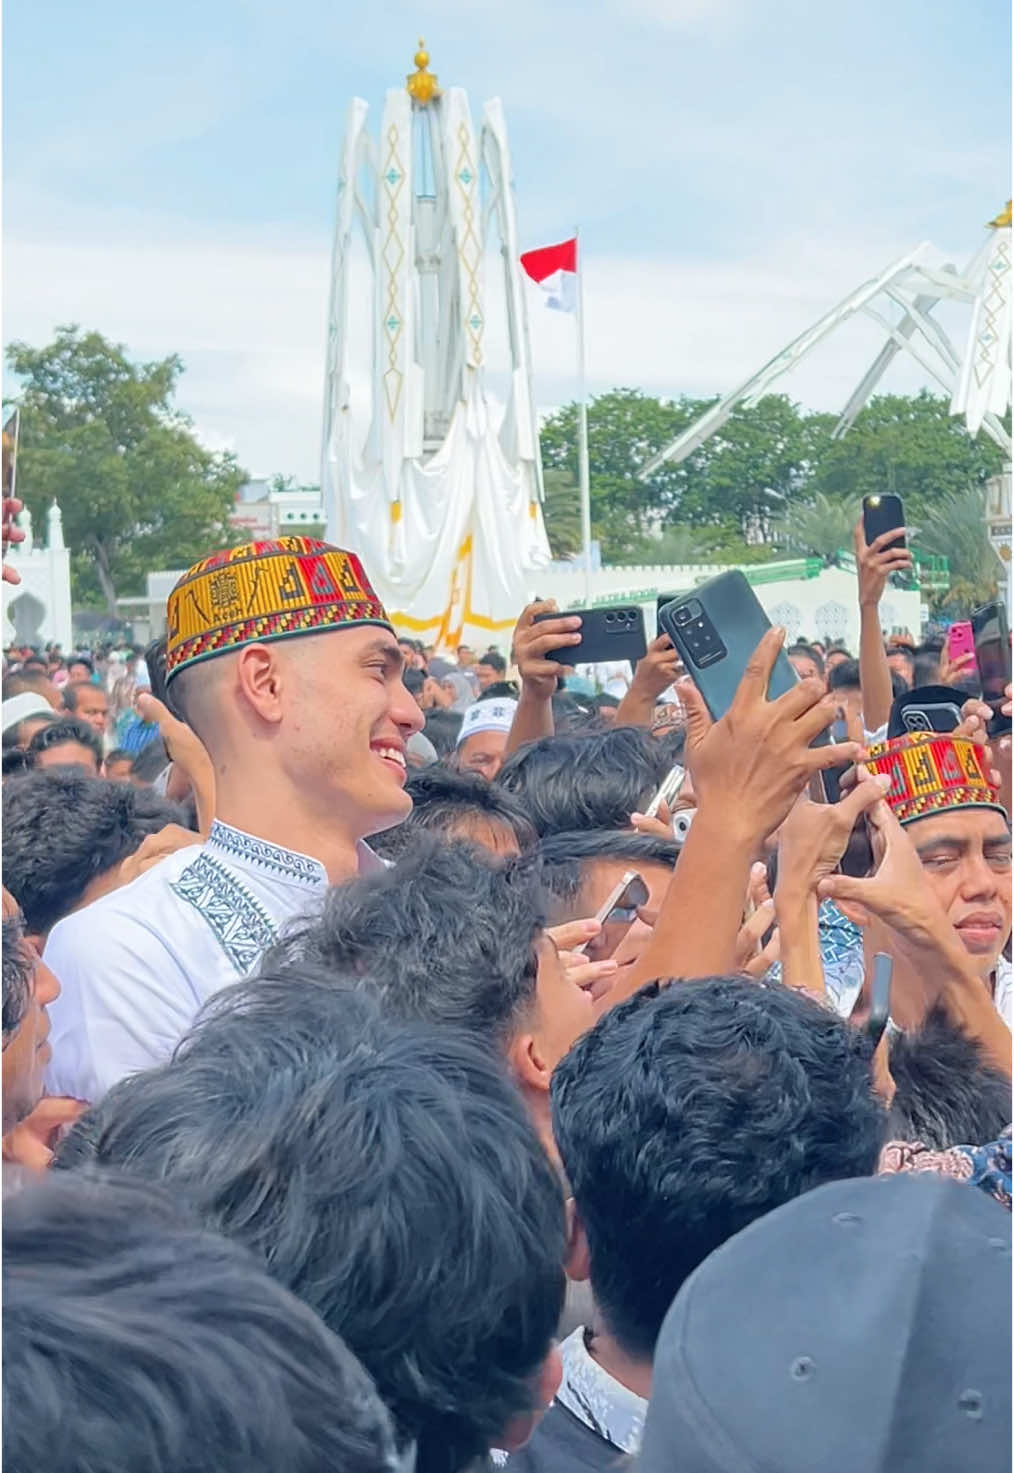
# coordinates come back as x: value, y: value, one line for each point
x: 262, y: 591
x: 931, y: 773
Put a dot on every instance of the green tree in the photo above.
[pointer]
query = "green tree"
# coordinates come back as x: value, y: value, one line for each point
x: 100, y: 435
x: 819, y: 528
x: 956, y: 530
x: 910, y: 445
x: 561, y: 511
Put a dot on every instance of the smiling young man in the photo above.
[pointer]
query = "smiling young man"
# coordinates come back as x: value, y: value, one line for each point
x: 282, y: 660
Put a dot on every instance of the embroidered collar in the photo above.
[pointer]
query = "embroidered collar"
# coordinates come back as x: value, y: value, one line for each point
x: 597, y: 1399
x: 245, y: 850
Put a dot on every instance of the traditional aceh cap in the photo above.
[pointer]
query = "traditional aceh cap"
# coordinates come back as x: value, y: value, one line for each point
x: 262, y: 591
x: 495, y: 715
x: 931, y: 773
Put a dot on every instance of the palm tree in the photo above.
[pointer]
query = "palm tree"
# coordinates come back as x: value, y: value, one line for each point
x: 561, y: 511
x: 956, y: 529
x: 678, y: 546
x: 821, y: 528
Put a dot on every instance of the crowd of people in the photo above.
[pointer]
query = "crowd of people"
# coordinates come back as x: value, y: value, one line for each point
x: 421, y: 1059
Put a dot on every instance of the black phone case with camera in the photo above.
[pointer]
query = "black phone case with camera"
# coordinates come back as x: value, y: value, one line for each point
x: 716, y: 630
x: 606, y: 635
x: 882, y: 514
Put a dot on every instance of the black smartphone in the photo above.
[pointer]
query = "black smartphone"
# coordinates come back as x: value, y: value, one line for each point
x: 992, y: 655
x: 883, y: 514
x: 616, y: 915
x: 606, y: 635
x: 660, y: 603
x: 716, y: 630
x: 928, y: 708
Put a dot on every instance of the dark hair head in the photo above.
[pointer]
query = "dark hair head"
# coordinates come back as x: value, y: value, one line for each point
x: 844, y: 676
x: 18, y: 969
x: 134, y: 1339
x: 84, y: 660
x: 119, y: 754
x: 493, y: 661
x: 560, y: 861
x: 385, y: 1172
x: 592, y: 781
x: 500, y: 690
x: 903, y: 649
x: 442, y: 727
x: 66, y: 729
x: 446, y: 936
x: 946, y: 1094
x: 413, y: 680
x: 62, y: 829
x: 689, y: 1111
x: 455, y: 804
x: 15, y: 762
x: 801, y: 648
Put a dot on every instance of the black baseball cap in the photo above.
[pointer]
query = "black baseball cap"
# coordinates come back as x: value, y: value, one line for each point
x: 862, y: 1327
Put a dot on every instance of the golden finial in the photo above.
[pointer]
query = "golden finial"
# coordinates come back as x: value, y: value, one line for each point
x: 1002, y: 220
x: 422, y: 84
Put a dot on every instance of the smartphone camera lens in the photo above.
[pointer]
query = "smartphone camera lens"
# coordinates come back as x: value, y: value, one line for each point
x: 683, y: 614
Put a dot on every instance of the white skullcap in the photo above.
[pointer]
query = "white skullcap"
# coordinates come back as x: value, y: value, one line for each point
x: 18, y: 708
x: 495, y: 715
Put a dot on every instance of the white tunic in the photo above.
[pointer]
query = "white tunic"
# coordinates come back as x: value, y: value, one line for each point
x: 137, y: 964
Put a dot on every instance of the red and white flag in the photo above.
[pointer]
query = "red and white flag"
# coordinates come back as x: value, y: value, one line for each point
x: 554, y: 268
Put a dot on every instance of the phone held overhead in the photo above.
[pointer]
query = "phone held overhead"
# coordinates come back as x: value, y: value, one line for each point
x: 607, y: 635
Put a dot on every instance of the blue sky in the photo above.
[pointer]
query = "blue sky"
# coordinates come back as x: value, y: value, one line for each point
x: 735, y: 167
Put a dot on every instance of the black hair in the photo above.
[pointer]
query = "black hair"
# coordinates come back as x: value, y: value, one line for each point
x: 70, y: 692
x: 15, y: 761
x: 62, y: 829
x: 501, y: 690
x: 899, y: 687
x: 587, y: 781
x: 119, y: 754
x: 494, y: 660
x: 442, y: 728
x: 946, y: 1093
x: 448, y: 802
x: 445, y: 935
x: 802, y: 648
x: 385, y: 1172
x: 84, y: 660
x: 925, y: 668
x: 135, y: 1339
x: 414, y: 680
x: 560, y: 861
x: 603, y: 700
x: 844, y: 676
x: 574, y: 713
x: 18, y: 970
x: 690, y: 1110
x: 66, y: 729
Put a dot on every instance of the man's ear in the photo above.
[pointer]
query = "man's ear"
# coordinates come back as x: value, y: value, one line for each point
x: 258, y: 674
x: 578, y: 1260
x: 547, y: 1383
x: 527, y: 1063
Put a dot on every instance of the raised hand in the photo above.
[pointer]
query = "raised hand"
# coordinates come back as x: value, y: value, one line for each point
x: 532, y: 644
x: 877, y: 561
x: 752, y: 764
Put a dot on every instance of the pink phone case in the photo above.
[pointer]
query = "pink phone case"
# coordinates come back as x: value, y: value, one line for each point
x: 960, y: 640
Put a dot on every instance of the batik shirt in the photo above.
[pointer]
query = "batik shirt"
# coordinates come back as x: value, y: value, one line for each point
x: 136, y: 966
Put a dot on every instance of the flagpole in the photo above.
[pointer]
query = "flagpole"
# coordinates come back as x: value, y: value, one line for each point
x: 584, y: 480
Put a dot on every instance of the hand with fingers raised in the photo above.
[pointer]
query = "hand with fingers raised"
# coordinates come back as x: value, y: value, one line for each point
x: 751, y: 765
x: 877, y: 561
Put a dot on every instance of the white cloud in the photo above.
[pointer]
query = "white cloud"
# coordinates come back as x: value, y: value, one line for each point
x: 247, y: 315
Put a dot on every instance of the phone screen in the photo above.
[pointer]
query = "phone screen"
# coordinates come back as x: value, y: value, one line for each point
x: 617, y: 915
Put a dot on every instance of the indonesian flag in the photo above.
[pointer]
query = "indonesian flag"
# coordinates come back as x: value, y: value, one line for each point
x: 554, y: 268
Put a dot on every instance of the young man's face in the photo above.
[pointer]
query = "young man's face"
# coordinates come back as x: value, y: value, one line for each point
x: 487, y: 676
x: 483, y: 753
x: 93, y: 708
x: 28, y: 1052
x: 77, y: 671
x: 966, y: 856
x: 805, y: 667
x: 349, y: 719
x: 120, y: 771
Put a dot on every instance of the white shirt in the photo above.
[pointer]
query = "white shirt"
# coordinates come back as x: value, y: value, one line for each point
x: 598, y: 1399
x: 137, y: 964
